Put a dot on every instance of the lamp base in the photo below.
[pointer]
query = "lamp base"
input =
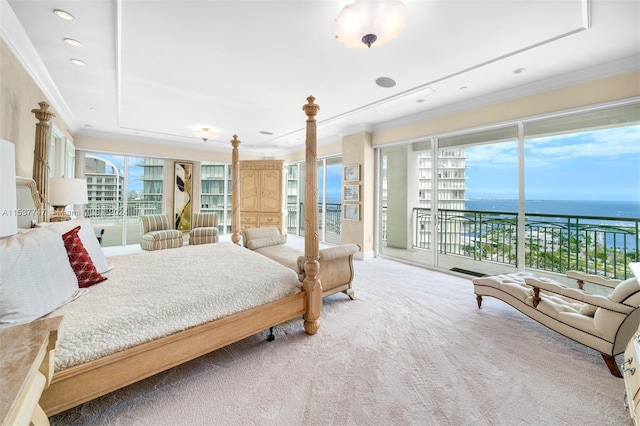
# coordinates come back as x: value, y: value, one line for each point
x: 59, y: 214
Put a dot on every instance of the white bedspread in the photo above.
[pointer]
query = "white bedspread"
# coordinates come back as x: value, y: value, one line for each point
x: 157, y: 293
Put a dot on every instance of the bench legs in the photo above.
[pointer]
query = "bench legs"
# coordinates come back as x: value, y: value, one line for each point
x: 479, y: 300
x: 349, y: 292
x: 611, y: 363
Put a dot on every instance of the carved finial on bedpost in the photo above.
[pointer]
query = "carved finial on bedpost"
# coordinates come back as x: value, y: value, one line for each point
x: 41, y: 157
x: 235, y: 191
x: 311, y: 284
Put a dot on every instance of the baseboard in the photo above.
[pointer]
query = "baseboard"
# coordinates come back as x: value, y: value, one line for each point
x: 366, y: 255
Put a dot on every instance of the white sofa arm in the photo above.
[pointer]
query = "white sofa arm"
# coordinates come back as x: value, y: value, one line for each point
x: 551, y: 286
x: 338, y: 251
x: 581, y: 278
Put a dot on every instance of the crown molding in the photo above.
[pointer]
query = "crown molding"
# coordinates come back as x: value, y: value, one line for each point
x: 609, y: 69
x: 16, y: 38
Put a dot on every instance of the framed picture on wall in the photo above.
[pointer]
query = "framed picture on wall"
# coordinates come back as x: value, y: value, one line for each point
x: 351, y: 212
x: 351, y: 193
x: 352, y: 173
x: 182, y: 193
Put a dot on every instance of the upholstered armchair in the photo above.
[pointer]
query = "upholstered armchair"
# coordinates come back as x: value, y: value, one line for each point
x: 157, y: 233
x: 205, y: 229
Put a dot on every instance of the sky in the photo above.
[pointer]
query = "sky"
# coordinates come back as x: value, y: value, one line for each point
x: 135, y: 172
x: 601, y: 165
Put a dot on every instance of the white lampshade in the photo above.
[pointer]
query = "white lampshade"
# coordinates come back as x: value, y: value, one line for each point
x: 67, y: 191
x: 366, y: 18
x: 8, y: 201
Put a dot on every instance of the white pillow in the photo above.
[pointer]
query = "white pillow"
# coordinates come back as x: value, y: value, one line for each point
x: 257, y: 243
x: 35, y: 275
x: 88, y: 238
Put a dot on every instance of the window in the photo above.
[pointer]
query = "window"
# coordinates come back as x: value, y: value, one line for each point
x: 492, y: 213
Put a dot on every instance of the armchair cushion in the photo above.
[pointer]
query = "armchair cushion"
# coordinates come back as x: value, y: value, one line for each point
x: 154, y: 222
x: 205, y: 229
x: 205, y: 220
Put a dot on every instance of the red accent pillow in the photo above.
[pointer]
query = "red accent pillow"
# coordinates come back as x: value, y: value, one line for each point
x: 80, y: 260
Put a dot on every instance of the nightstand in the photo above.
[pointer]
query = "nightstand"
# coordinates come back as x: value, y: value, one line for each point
x: 27, y: 353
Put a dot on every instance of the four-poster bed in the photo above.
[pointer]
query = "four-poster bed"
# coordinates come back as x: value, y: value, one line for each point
x: 80, y: 383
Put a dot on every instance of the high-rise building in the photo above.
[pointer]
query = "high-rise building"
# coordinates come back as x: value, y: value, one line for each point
x: 451, y: 175
x: 152, y: 179
x: 105, y: 183
x: 215, y: 193
x: 451, y: 179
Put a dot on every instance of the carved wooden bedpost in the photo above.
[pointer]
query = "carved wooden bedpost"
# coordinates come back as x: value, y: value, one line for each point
x: 235, y: 191
x: 311, y: 283
x: 41, y: 158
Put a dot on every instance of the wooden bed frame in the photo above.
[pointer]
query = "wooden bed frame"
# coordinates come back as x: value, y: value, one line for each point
x: 75, y: 385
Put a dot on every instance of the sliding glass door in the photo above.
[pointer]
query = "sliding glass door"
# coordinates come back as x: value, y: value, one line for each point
x: 329, y: 199
x: 548, y: 194
x: 582, y: 189
x: 120, y: 190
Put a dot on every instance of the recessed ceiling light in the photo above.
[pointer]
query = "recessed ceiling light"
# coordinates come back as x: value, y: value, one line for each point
x: 519, y: 70
x: 463, y: 88
x: 77, y: 62
x: 420, y: 101
x: 92, y: 109
x: 385, y: 82
x: 264, y: 132
x: 72, y: 42
x: 88, y: 125
x: 64, y: 15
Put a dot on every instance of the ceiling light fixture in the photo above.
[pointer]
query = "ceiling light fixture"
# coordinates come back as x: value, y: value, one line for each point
x: 370, y: 21
x: 64, y: 15
x: 72, y: 42
x: 205, y: 134
x: 77, y: 62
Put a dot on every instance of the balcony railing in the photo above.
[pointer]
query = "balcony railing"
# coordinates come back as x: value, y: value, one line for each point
x: 553, y: 243
x: 109, y: 210
x: 333, y: 217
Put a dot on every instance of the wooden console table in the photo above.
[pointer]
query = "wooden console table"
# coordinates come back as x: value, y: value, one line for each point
x: 26, y: 370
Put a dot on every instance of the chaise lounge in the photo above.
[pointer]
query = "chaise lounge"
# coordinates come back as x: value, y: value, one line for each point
x: 604, y: 323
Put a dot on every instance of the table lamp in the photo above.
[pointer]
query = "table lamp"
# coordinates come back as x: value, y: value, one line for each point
x: 64, y: 192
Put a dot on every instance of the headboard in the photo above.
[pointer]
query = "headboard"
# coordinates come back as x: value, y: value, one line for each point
x: 28, y: 206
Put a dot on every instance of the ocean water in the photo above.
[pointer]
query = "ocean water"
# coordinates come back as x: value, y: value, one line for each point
x: 616, y: 211
x: 600, y: 209
x: 612, y: 209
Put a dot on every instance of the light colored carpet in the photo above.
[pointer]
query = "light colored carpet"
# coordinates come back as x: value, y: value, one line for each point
x: 412, y: 349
